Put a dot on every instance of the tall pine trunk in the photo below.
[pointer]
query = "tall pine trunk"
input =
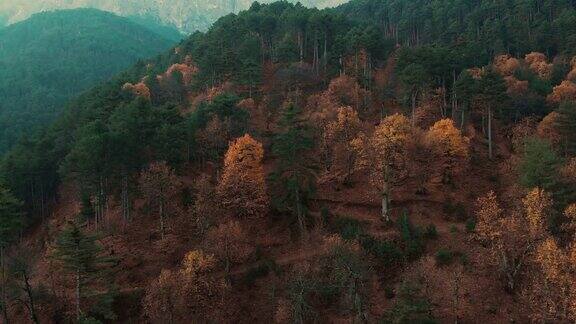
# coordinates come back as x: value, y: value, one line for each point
x: 162, y: 218
x: 414, y: 97
x: 78, y: 310
x: 490, y: 148
x: 386, y: 195
x: 4, y: 297
x: 31, y: 304
x: 299, y: 214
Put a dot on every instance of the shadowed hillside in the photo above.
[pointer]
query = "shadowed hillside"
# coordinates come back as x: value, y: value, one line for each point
x: 52, y: 57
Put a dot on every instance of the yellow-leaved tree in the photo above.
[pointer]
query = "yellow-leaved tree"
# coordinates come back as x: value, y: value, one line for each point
x: 338, y: 148
x: 552, y: 294
x: 514, y: 236
x: 190, y: 293
x: 242, y: 187
x: 386, y: 156
x: 450, y: 147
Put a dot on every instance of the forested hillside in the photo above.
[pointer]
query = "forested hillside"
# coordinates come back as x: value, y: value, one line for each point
x: 52, y: 57
x: 395, y: 162
x: 485, y: 27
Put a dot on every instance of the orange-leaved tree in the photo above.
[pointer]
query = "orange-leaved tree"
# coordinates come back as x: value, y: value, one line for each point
x: 565, y: 91
x: 450, y: 147
x: 190, y: 293
x: 386, y: 155
x: 338, y: 144
x: 242, y: 187
x: 514, y: 236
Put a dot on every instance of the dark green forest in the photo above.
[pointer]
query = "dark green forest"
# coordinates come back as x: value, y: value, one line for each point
x: 53, y: 56
x: 487, y: 28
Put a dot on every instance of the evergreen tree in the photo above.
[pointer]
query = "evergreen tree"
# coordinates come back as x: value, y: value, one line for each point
x: 10, y: 225
x: 464, y: 90
x: 567, y: 126
x: 492, y: 93
x: 21, y: 272
x: 294, y: 178
x: 540, y: 167
x: 81, y: 257
x: 415, y: 78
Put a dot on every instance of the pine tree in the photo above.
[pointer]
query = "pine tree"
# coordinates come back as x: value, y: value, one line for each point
x: 81, y: 257
x: 10, y: 224
x: 567, y: 126
x: 540, y: 166
x: 492, y: 93
x: 415, y: 78
x: 464, y: 90
x: 294, y: 178
x: 21, y: 271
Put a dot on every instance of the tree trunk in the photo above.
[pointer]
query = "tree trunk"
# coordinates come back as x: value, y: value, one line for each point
x: 301, y: 46
x: 29, y: 293
x: 385, y: 205
x: 4, y: 298
x: 414, y: 96
x: 125, y: 198
x: 162, y: 219
x: 78, y: 311
x: 490, y: 149
x: 300, y: 214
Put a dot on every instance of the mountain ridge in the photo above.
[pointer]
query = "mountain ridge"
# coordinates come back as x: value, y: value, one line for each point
x: 54, y: 56
x: 186, y: 15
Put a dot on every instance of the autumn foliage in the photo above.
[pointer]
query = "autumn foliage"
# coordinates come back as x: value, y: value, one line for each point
x: 566, y: 91
x: 242, y: 187
x: 190, y: 292
x: 548, y: 129
x: 538, y: 63
x: 230, y: 243
x: 506, y: 64
x: 139, y: 89
x: 338, y: 144
x: 386, y: 155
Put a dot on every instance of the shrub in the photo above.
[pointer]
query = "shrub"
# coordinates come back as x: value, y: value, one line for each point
x: 470, y: 225
x: 260, y: 271
x: 348, y: 228
x: 431, y: 232
x: 411, y: 236
x: 412, y: 306
x: 325, y: 214
x: 387, y: 253
x: 444, y: 257
x: 455, y: 210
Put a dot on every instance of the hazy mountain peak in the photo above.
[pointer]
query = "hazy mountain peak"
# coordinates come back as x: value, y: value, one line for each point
x: 186, y: 15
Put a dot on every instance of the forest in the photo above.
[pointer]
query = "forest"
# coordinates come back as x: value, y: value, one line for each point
x: 383, y: 161
x: 55, y: 56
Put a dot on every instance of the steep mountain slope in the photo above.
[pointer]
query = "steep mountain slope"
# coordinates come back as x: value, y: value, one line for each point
x: 375, y: 183
x: 54, y: 56
x: 487, y: 27
x: 186, y: 15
